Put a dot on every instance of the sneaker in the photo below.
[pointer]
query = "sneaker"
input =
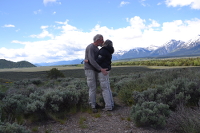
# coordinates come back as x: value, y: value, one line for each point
x: 94, y: 110
x: 107, y: 109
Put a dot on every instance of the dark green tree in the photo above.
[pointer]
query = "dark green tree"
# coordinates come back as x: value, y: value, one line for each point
x: 54, y: 73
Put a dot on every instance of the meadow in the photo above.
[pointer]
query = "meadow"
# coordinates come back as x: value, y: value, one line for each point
x: 158, y: 95
x: 16, y: 74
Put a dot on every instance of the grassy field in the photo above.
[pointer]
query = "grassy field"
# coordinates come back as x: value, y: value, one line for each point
x: 16, y: 74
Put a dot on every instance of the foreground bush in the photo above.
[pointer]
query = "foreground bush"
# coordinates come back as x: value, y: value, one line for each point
x: 150, y: 114
x: 12, y: 128
x: 39, y: 101
x: 179, y: 88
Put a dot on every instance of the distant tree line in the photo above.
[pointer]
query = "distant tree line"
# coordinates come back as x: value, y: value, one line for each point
x: 162, y: 62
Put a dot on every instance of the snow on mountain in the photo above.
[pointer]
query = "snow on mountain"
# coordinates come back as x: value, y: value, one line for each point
x: 152, y: 47
x: 192, y: 42
x: 168, y: 47
x: 119, y: 52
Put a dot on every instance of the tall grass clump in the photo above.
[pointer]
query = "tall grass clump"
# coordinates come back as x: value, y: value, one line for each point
x: 185, y: 120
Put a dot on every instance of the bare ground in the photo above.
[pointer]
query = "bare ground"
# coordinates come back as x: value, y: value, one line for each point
x: 116, y: 121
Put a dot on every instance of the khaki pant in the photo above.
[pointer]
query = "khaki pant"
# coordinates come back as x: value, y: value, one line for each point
x: 105, y: 86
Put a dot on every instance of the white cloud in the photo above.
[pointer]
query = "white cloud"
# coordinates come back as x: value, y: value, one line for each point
x: 136, y: 22
x: 159, y: 3
x: 124, y: 3
x: 71, y: 42
x: 153, y: 24
x: 37, y: 12
x: 50, y: 1
x: 44, y: 33
x: 8, y: 25
x: 194, y: 4
x: 54, y: 13
x: 17, y: 30
x: 143, y: 3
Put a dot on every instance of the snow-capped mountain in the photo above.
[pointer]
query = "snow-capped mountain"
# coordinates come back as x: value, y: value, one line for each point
x: 170, y: 48
x: 152, y: 47
x: 192, y: 43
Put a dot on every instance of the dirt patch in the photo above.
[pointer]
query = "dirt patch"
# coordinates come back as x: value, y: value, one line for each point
x: 116, y: 121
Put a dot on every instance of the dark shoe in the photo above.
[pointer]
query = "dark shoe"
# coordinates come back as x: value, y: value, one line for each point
x: 107, y: 109
x: 97, y: 106
x: 94, y: 110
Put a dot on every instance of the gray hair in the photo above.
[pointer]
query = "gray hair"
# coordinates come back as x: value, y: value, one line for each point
x: 97, y: 37
x: 108, y: 43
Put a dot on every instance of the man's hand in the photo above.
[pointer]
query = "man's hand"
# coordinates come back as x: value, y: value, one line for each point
x: 104, y: 71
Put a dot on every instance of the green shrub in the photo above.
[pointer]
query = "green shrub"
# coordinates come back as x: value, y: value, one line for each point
x: 12, y: 128
x: 150, y: 114
x: 36, y: 81
x: 54, y: 73
x: 14, y: 104
x: 179, y: 91
x: 3, y: 90
x: 126, y: 96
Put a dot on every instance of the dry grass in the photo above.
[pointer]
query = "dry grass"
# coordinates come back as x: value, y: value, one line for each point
x: 39, y: 69
x: 185, y: 120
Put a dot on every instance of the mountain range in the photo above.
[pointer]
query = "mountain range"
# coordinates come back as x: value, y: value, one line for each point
x: 172, y: 48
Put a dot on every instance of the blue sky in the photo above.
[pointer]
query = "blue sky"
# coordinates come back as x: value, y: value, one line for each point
x: 56, y: 30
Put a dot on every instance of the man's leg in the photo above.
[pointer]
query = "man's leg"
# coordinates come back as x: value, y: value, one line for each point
x: 91, y: 82
x: 106, y: 91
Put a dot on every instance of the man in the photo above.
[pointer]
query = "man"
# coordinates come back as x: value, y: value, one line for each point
x: 92, y: 68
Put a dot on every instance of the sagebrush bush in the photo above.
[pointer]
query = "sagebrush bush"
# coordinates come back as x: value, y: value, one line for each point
x: 14, y: 104
x: 179, y: 91
x: 36, y: 81
x: 3, y: 90
x: 40, y: 101
x: 150, y: 114
x: 12, y: 128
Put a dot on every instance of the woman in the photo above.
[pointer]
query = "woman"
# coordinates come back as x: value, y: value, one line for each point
x: 104, y: 58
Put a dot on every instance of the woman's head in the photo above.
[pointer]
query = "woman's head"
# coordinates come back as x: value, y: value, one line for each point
x: 108, y: 43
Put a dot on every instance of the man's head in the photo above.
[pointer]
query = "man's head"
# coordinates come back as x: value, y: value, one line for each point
x: 98, y: 40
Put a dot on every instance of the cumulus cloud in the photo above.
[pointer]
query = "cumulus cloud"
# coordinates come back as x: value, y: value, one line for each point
x: 44, y: 33
x: 124, y: 3
x: 50, y: 1
x: 194, y: 4
x: 143, y: 3
x: 71, y: 42
x: 8, y: 25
